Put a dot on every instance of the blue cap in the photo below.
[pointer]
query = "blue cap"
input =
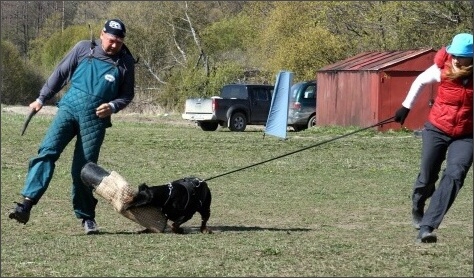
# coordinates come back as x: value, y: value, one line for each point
x: 461, y: 45
x: 115, y: 27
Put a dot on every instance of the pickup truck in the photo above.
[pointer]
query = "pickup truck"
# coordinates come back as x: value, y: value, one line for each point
x: 237, y: 106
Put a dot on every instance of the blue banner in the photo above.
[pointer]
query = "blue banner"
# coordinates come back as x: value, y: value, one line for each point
x: 278, y: 116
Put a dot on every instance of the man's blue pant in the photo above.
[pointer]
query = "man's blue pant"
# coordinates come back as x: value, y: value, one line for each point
x: 90, y: 132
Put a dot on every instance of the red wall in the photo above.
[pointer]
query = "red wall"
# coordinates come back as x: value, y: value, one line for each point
x: 366, y: 97
x: 393, y: 92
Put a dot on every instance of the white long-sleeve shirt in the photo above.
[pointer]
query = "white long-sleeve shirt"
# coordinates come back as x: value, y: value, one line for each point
x: 430, y: 75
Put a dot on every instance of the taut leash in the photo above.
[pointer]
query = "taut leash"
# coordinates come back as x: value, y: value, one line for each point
x: 387, y: 121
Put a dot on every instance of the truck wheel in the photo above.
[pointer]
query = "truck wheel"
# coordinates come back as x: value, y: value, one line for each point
x: 312, y: 121
x: 208, y: 126
x: 237, y: 122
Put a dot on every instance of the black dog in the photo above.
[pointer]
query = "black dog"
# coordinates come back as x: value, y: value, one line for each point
x: 179, y: 201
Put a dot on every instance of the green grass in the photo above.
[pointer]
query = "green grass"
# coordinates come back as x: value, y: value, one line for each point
x: 339, y: 209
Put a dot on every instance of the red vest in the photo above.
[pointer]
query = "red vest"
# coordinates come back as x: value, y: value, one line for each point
x: 452, y: 108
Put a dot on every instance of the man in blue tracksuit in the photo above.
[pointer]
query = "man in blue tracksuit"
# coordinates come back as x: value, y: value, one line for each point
x: 101, y: 74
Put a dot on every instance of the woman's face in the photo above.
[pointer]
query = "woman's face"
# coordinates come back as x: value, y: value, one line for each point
x: 459, y: 61
x: 111, y: 44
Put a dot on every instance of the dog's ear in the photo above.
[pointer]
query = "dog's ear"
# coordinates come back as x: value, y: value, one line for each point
x: 143, y: 187
x: 142, y: 198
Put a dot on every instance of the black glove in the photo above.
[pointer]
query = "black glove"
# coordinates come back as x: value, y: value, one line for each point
x: 401, y: 115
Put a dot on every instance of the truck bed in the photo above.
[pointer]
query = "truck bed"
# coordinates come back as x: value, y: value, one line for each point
x: 199, y: 109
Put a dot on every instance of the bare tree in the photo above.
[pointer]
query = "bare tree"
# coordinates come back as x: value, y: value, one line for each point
x: 23, y: 21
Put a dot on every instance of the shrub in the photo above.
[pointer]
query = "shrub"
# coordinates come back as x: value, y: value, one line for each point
x: 20, y: 82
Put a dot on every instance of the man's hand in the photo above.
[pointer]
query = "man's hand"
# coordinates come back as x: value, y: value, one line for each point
x: 35, y: 106
x: 104, y: 110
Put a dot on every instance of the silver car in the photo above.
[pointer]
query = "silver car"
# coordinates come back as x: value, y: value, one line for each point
x: 302, y: 108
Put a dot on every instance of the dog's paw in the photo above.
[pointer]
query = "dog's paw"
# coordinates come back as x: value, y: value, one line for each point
x: 206, y: 230
x: 176, y: 229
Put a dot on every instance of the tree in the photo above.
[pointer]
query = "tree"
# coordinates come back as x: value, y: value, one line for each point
x: 49, y: 51
x: 193, y: 47
x: 173, y: 55
x: 20, y: 82
x: 291, y: 41
x: 23, y: 21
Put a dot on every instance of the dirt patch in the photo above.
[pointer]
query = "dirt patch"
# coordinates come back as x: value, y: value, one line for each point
x: 122, y: 115
x: 24, y: 110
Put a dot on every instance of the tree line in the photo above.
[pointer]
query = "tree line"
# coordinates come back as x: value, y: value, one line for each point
x: 192, y: 48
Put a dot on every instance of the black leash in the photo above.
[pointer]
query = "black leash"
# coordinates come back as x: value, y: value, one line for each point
x: 387, y: 121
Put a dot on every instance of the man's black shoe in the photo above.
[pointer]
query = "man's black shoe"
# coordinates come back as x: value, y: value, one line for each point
x: 20, y: 213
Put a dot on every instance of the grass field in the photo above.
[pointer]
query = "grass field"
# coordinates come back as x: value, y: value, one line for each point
x: 339, y: 209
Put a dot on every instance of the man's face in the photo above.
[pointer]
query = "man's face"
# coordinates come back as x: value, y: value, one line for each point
x: 111, y: 44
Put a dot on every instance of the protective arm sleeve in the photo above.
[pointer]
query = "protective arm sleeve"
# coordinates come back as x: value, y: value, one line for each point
x: 430, y: 75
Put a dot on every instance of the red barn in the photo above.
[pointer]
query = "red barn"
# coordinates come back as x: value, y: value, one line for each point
x: 368, y: 88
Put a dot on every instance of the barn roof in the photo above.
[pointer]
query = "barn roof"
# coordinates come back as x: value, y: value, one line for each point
x: 374, y: 61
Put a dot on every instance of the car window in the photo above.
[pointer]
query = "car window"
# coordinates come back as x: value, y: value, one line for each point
x: 232, y: 91
x: 262, y: 94
x: 294, y: 90
x: 309, y: 92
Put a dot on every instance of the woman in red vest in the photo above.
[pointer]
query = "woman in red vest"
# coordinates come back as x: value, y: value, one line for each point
x: 447, y: 135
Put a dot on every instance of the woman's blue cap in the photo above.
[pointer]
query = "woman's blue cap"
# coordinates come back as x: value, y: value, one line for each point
x: 461, y: 45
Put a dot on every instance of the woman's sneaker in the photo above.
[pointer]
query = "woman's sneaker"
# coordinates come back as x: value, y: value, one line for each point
x: 426, y: 235
x: 90, y: 227
x: 417, y: 216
